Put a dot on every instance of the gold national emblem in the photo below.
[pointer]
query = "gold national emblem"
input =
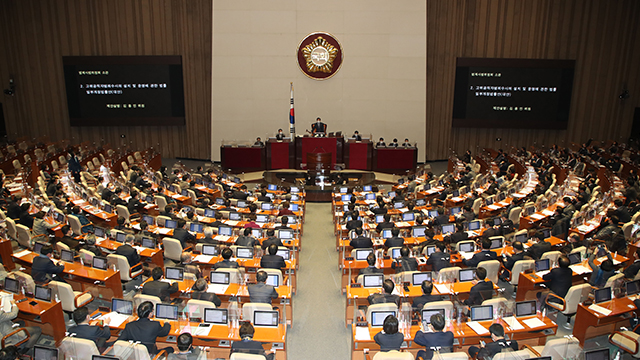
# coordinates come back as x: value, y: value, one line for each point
x: 319, y: 55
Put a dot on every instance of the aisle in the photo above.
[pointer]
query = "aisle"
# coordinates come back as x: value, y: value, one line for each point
x: 318, y: 314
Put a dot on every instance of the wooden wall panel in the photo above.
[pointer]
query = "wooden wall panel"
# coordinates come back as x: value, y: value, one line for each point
x: 35, y: 34
x: 602, y: 36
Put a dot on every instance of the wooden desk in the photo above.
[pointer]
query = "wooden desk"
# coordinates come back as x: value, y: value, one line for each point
x: 308, y: 145
x: 590, y: 323
x: 395, y: 160
x: 46, y: 315
x: 153, y: 256
x: 280, y: 154
x: 243, y: 158
x: 6, y: 250
x: 358, y: 154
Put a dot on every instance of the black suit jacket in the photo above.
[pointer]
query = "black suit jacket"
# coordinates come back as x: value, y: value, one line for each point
x: 130, y: 253
x: 394, y: 242
x: 86, y: 331
x: 480, y: 292
x: 439, y: 261
x: 361, y: 242
x: 145, y: 331
x: 370, y: 270
x: 483, y: 255
x: 160, y: 289
x: 206, y: 296
x: 226, y: 264
x: 247, y: 347
x: 538, y: 249
x: 559, y: 280
x: 183, y: 235
x: 247, y: 241
x: 273, y: 262
x: 493, y: 348
x: 459, y: 236
x: 269, y: 241
x: 418, y: 303
x: 442, y: 341
x: 511, y: 260
x: 441, y: 220
x: 383, y: 298
x: 405, y: 264
x: 389, y: 342
x: 631, y: 271
x: 43, y: 268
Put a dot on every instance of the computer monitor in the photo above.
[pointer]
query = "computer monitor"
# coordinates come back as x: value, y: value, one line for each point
x: 386, y: 233
x: 211, y: 250
x: 285, y: 233
x: 433, y: 213
x: 294, y: 189
x: 99, y: 232
x: 489, y: 200
x: 99, y: 262
x: 149, y: 199
x: 121, y: 306
x: 172, y: 188
x: 235, y: 216
x: 496, y: 243
x: 273, y: 280
x: 391, y: 194
x: 219, y: 201
x: 44, y: 353
x: 418, y: 278
x: 66, y: 255
x: 455, y: 193
x: 58, y: 216
x: 174, y: 273
x: 367, y: 188
x: 546, y: 233
x: 219, y: 277
x: 481, y: 313
x: 271, y: 195
x: 42, y: 293
x: 574, y: 258
x: 497, y: 221
x: 428, y: 313
x: 370, y: 196
x: 285, y: 253
x: 37, y: 247
x: 149, y: 243
x: 216, y: 316
x: 401, y: 181
x: 418, y: 231
x: 168, y: 312
x: 521, y: 237
x: 600, y: 354
x: 633, y: 287
x: 225, y: 230
x: 467, y: 247
x: 197, y: 228
x: 525, y: 308
x: 409, y: 216
x: 345, y: 197
x: 149, y: 219
x: 170, y: 224
x: 398, y: 205
x: 475, y: 225
x: 266, y: 206
x: 456, y: 210
x: 530, y: 210
x: 241, y: 204
x: 602, y: 295
x: 431, y: 249
x: 377, y: 317
x: 11, y: 285
x: 466, y: 275
x: 395, y: 253
x: 361, y: 254
x: 421, y: 202
x: 294, y: 207
x: 542, y: 265
x: 262, y: 218
x: 256, y: 233
x: 343, y: 190
x: 379, y: 218
x: 448, y: 228
x: 267, y: 318
x: 120, y: 237
x: 372, y: 280
x: 209, y: 213
x: 502, y: 196
x: 244, y: 252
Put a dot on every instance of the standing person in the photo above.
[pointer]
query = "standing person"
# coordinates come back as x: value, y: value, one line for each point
x: 74, y: 166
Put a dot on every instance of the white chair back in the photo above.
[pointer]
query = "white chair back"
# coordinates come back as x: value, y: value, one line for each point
x: 122, y: 211
x: 511, y: 355
x: 277, y: 272
x: 12, y: 231
x: 552, y: 256
x: 519, y: 267
x: 446, y: 305
x: 77, y: 348
x: 235, y: 275
x: 448, y: 274
x: 492, y: 267
x: 393, y: 355
x: 195, y: 308
x: 75, y: 224
x: 561, y: 348
x: 380, y: 307
x: 122, y: 347
x: 172, y: 248
x: 24, y: 236
x: 575, y: 296
x: 249, y: 308
x: 122, y: 265
x: 140, y: 298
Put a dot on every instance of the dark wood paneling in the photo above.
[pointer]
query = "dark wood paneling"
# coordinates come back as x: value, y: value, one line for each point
x: 35, y: 34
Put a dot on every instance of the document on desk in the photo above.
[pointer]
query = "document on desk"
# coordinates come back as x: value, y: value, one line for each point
x: 163, y: 231
x: 136, y: 226
x: 537, y: 216
x: 442, y: 288
x: 223, y: 238
x: 402, y: 224
x: 217, y: 288
x: 22, y: 253
x: 533, y: 323
x: 113, y: 319
x: 139, y: 248
x: 202, y: 329
x: 479, y: 329
x: 231, y: 222
x: 603, y: 258
x: 466, y: 255
x: 203, y: 258
x: 600, y: 309
x: 513, y: 323
x: 580, y: 269
x: 362, y: 333
x: 493, y: 207
x: 176, y: 196
x: 547, y: 212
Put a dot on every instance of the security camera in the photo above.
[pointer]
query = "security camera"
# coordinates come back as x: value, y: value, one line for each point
x: 12, y: 89
x: 624, y: 95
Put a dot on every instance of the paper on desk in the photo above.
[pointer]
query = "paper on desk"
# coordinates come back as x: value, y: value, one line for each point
x: 202, y: 330
x: 547, y: 212
x: 537, y: 216
x: 600, y: 309
x: 163, y: 231
x: 580, y: 269
x: 223, y: 238
x: 370, y: 201
x: 493, y: 207
x: 402, y: 224
x: 168, y: 281
x: 139, y: 248
x: 603, y: 258
x: 217, y: 288
x: 362, y: 333
x: 479, y: 329
x: 113, y: 319
x: 203, y: 258
x: 533, y: 323
x: 442, y: 288
x: 466, y: 255
x: 22, y: 253
x: 176, y: 196
x: 231, y: 222
x: 136, y: 226
x: 513, y: 323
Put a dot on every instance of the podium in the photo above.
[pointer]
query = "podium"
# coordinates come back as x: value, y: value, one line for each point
x: 310, y: 145
x: 280, y: 154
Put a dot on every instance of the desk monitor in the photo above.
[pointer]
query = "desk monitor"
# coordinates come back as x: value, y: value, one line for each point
x: 149, y: 199
x: 100, y: 262
x: 346, y: 197
x: 343, y: 190
x: 292, y: 219
x: 197, y: 228
x: 208, y: 249
x: 11, y: 285
x: 448, y: 228
x: 602, y: 295
x: 395, y: 253
x: 601, y: 354
x: 574, y: 258
x: 418, y: 231
x: 94, y: 201
x: 265, y: 318
x: 421, y: 202
x: 37, y: 247
x: 367, y: 188
x: 361, y: 254
x: 149, y: 243
x: 345, y: 207
x: 66, y: 255
x: 369, y: 196
x: 209, y: 213
x: 489, y: 201
x: 456, y: 210
x: 149, y: 220
x: 502, y: 196
x: 256, y: 233
x: 219, y: 201
x: 266, y: 206
x: 372, y: 280
x: 235, y: 216
x: 285, y: 233
x: 379, y: 218
x: 285, y: 253
x: 244, y: 252
x: 108, y: 208
x: 42, y: 293
x: 401, y: 181
x: 409, y: 216
x: 542, y: 265
x: 391, y: 194
x: 237, y: 180
x: 430, y: 250
x: 58, y: 216
x: 272, y: 187
x: 174, y: 273
x: 546, y: 233
x: 464, y: 190
x: 168, y: 312
x: 481, y: 313
x: 273, y: 280
x: 225, y: 230
x: 44, y: 353
x: 398, y: 205
x: 216, y: 316
x: 418, y: 278
x: 377, y: 317
x: 497, y: 221
x: 467, y: 247
x: 293, y: 207
x: 170, y: 224
x: 124, y: 307
x: 262, y: 218
x: 521, y: 237
x: 433, y: 213
x: 241, y: 204
x: 120, y: 237
x: 271, y: 195
x: 496, y: 243
x: 466, y: 275
x: 172, y: 188
x: 633, y: 287
x: 475, y: 225
x: 219, y: 277
x: 525, y: 308
x: 386, y: 233
x: 529, y: 210
x: 427, y: 314
x: 294, y: 190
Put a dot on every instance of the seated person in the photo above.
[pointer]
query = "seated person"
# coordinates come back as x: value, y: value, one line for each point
x: 208, y: 237
x: 404, y: 262
x: 247, y: 345
x: 386, y: 296
x: 169, y: 211
x: 283, y: 223
x: 484, y: 255
x: 389, y: 338
x: 518, y: 254
x: 83, y: 330
x: 481, y: 290
x: 159, y: 288
x: 540, y: 246
x: 271, y: 239
x: 41, y: 226
x: 386, y: 224
x: 459, y: 235
x: 246, y: 239
x: 186, y: 351
x: 127, y: 250
x: 273, y: 261
x: 371, y: 269
x: 227, y: 253
x: 146, y: 331
x: 251, y: 222
x: 602, y: 273
x: 436, y: 339
x: 90, y: 245
x: 558, y: 280
x: 496, y: 346
x: 361, y: 241
x: 44, y: 269
x: 426, y: 297
x: 67, y: 238
x: 26, y: 219
x: 439, y: 259
x: 199, y: 292
x: 395, y: 240
x: 121, y: 224
x: 632, y: 270
x: 144, y: 230
x: 381, y: 143
x: 260, y: 292
x: 7, y: 326
x: 83, y: 220
x: 284, y: 210
x: 182, y: 234
x: 188, y: 266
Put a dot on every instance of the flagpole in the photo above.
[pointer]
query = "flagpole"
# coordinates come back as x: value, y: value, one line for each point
x: 292, y: 118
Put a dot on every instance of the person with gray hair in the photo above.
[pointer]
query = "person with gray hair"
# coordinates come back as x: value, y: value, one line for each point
x: 261, y: 292
x: 90, y: 245
x: 208, y: 237
x: 199, y: 292
x: 127, y: 250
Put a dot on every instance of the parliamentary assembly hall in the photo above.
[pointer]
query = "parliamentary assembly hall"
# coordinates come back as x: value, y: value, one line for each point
x: 319, y: 179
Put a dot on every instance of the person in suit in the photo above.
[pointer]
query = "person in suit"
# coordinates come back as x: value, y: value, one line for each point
x: 280, y: 135
x: 389, y: 338
x: 442, y: 218
x: 395, y: 240
x: 558, y: 281
x: 356, y: 136
x: 90, y: 245
x: 185, y: 349
x: 510, y: 260
x: 208, y: 237
x: 199, y: 292
x: 260, y: 292
x: 26, y: 219
x: 146, y: 331
x: 271, y: 239
x: 632, y: 270
x: 439, y: 259
x: 41, y: 226
x: 540, y: 247
x: 159, y: 288
x: 386, y: 224
x: 381, y: 143
x: 361, y: 241
x: 497, y: 345
x: 604, y: 271
x: 484, y: 255
x: 44, y: 269
x: 283, y: 223
x: 404, y: 262
x: 482, y: 290
x: 134, y: 205
x: 67, y: 238
x: 83, y: 330
x: 273, y: 261
x: 371, y: 269
x: 247, y: 345
x: 426, y: 297
x: 13, y: 209
x: 127, y: 250
x: 7, y: 326
x: 246, y: 239
x: 459, y: 235
x: 386, y: 296
x: 319, y: 128
x: 182, y: 234
x: 226, y: 263
x: 436, y: 339
x: 622, y: 212
x: 506, y: 227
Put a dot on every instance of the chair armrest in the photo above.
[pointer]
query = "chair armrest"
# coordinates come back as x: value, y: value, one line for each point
x: 188, y: 248
x: 133, y: 267
x: 555, y: 305
x: 75, y: 300
x: 365, y: 352
x: 624, y: 336
x: 285, y: 278
x: 161, y: 353
x: 504, y: 269
x: 14, y: 332
x: 528, y: 347
x: 84, y: 226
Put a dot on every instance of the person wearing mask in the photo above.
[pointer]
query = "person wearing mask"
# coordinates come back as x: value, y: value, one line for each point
x: 497, y: 345
x: 159, y: 288
x: 182, y: 234
x: 90, y: 245
x: 481, y: 290
x: 41, y: 226
x: 44, y: 269
x: 389, y: 338
x: 435, y: 339
x: 540, y: 246
x: 67, y: 238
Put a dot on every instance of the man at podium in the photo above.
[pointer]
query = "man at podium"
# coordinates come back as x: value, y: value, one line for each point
x: 319, y: 129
